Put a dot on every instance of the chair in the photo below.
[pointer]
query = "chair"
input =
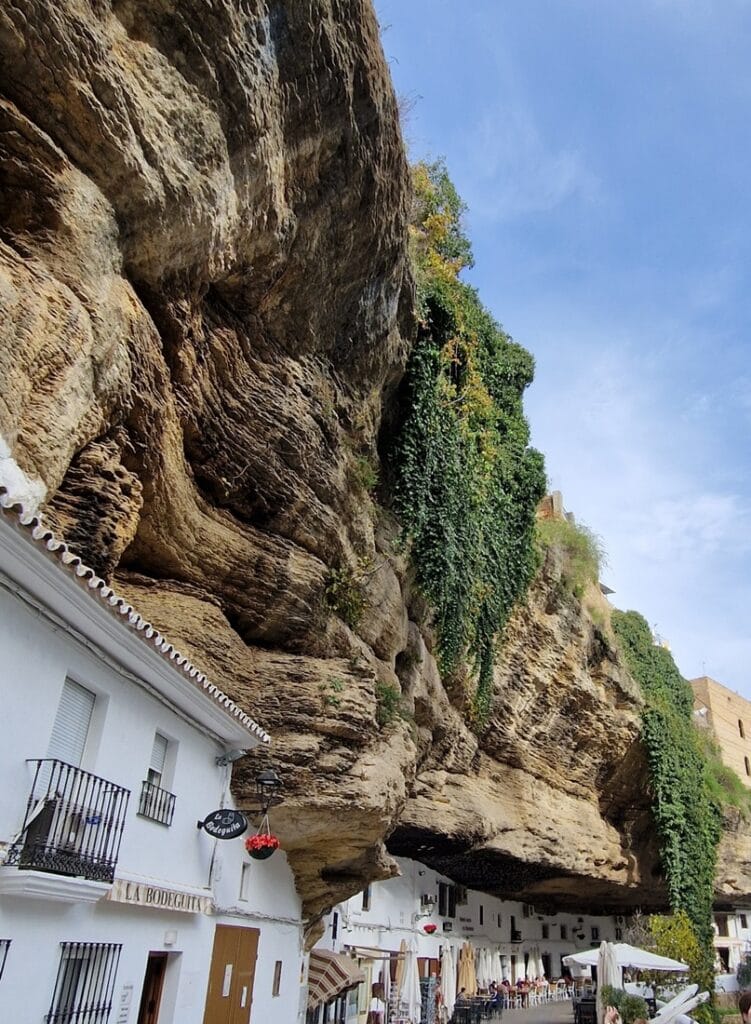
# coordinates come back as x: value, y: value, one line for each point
x: 585, y: 1012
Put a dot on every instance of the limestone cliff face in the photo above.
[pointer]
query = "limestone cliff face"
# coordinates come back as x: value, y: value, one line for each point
x: 205, y: 313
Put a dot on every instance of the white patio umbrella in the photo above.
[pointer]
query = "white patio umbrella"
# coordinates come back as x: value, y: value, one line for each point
x: 412, y: 996
x: 678, y: 1013
x: 608, y: 973
x: 628, y: 956
x: 448, y: 979
x: 484, y: 968
x: 497, y: 967
x: 521, y: 970
x: 678, y: 1000
x: 505, y: 966
x: 535, y: 968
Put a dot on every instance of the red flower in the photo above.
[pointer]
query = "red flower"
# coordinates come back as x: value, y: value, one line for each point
x: 263, y: 841
x: 429, y: 928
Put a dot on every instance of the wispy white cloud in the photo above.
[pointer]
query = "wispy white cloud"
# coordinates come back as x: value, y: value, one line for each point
x: 633, y: 470
x: 517, y: 172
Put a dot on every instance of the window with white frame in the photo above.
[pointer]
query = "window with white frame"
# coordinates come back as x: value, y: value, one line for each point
x: 85, y: 983
x: 156, y: 802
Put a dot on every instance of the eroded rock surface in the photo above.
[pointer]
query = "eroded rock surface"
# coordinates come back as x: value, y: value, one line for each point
x: 205, y: 314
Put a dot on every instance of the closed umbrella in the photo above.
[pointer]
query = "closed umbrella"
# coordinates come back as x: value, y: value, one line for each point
x: 401, y: 968
x: 521, y: 969
x: 467, y: 979
x: 472, y: 971
x: 608, y: 973
x: 412, y: 997
x: 497, y: 968
x: 482, y: 970
x: 448, y: 979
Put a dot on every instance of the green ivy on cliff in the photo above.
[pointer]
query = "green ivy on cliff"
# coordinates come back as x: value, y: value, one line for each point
x: 687, y: 815
x: 467, y: 482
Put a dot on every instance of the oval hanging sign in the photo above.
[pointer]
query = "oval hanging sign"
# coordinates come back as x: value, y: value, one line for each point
x: 226, y: 824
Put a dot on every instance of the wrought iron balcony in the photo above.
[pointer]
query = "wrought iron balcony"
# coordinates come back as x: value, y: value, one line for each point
x: 73, y: 824
x: 157, y: 804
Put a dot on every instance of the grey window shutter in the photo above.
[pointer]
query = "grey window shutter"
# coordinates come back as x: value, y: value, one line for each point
x: 72, y: 721
x: 159, y: 753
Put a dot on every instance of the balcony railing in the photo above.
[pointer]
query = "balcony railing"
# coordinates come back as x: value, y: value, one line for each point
x: 157, y: 804
x: 73, y: 824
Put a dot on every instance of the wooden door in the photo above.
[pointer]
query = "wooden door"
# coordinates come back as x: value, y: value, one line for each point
x: 153, y: 981
x: 233, y: 967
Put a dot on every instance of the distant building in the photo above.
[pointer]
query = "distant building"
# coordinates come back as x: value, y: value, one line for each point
x: 728, y: 716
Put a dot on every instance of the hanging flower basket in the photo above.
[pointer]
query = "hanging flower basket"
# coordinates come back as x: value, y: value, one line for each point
x: 429, y: 928
x: 263, y: 843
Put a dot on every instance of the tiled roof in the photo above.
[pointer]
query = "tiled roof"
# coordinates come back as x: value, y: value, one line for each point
x: 31, y: 526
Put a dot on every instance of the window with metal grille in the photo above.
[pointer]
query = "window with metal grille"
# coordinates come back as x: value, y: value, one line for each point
x: 4, y: 947
x: 85, y: 983
x: 158, y: 759
x: 156, y: 802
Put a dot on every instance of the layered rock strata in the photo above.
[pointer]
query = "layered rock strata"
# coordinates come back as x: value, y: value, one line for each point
x: 205, y: 305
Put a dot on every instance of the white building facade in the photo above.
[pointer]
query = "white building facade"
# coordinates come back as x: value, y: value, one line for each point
x: 394, y: 914
x: 114, y: 906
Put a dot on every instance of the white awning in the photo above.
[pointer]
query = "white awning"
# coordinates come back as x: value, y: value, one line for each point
x: 627, y: 956
x: 329, y: 974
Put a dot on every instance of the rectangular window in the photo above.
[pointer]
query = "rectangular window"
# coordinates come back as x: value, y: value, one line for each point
x: 446, y: 900
x: 277, y: 978
x: 721, y: 920
x: 366, y: 898
x: 245, y: 882
x: 158, y: 759
x: 71, y: 727
x: 156, y: 802
x: 85, y: 983
x: 744, y: 921
x: 500, y: 920
x: 595, y: 934
x: 334, y: 925
x: 619, y: 935
x: 482, y: 914
x: 564, y: 931
x: 546, y: 931
x: 443, y: 899
x: 4, y: 947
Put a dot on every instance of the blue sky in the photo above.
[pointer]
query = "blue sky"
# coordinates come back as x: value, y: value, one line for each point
x: 604, y: 151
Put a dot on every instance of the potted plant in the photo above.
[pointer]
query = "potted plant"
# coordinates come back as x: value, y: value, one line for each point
x: 263, y: 843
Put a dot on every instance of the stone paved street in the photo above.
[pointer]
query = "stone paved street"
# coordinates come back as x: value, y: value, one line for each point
x: 550, y: 1013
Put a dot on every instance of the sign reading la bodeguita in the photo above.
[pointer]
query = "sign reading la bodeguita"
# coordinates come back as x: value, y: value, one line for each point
x: 225, y: 824
x: 143, y: 895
